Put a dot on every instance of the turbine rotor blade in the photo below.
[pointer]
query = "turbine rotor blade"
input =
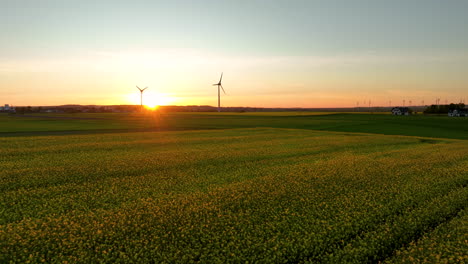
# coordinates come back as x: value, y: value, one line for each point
x: 220, y: 79
x: 222, y: 89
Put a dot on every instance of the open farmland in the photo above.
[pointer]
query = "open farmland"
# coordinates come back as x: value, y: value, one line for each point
x: 266, y: 194
x: 86, y: 123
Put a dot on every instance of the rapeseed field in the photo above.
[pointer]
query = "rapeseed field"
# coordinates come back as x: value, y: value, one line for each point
x: 266, y: 195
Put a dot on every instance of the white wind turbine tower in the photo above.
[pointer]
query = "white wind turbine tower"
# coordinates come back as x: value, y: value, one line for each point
x: 141, y: 94
x: 219, y: 94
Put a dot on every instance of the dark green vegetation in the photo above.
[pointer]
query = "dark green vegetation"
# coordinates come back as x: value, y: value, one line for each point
x: 443, y: 109
x: 270, y: 195
x: 418, y: 125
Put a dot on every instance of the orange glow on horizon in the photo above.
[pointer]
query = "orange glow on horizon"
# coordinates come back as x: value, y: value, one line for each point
x: 151, y: 99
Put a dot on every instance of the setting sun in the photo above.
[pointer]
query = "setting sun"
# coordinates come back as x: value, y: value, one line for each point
x: 151, y: 99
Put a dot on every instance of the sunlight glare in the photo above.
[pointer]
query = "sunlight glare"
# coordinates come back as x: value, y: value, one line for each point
x: 151, y: 99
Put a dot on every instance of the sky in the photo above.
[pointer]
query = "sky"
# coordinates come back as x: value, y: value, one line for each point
x: 296, y: 53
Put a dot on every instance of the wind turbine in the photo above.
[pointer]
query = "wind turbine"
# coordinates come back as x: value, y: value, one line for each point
x: 141, y: 94
x: 219, y: 94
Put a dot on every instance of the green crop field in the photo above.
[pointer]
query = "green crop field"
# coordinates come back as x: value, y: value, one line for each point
x: 56, y: 124
x: 233, y: 188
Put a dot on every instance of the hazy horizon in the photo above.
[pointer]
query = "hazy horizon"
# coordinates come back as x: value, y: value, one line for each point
x: 276, y: 54
x: 233, y: 106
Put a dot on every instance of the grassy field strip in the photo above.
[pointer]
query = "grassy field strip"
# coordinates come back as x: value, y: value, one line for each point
x: 270, y: 195
x: 419, y: 125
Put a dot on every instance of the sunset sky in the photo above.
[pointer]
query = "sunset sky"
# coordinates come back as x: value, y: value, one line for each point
x: 307, y: 53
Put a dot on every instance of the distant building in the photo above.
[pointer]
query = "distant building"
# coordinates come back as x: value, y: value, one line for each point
x: 7, y: 108
x: 458, y: 113
x: 400, y: 111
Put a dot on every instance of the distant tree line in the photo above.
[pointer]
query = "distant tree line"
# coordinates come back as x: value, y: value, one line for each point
x: 27, y: 109
x: 443, y: 109
x: 76, y: 109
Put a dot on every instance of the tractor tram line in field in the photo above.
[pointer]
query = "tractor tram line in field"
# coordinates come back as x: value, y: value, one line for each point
x: 384, y: 248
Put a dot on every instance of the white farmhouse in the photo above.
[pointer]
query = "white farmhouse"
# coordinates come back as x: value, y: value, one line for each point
x: 7, y: 108
x: 458, y: 113
x: 400, y: 111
